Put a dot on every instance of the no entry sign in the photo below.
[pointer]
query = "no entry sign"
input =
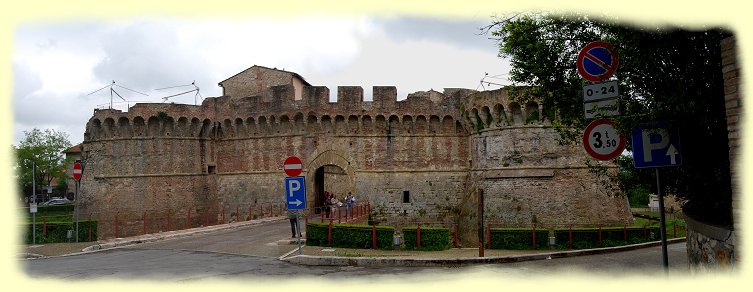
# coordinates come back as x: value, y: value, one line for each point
x: 597, y: 61
x: 77, y: 171
x: 602, y: 140
x: 292, y: 166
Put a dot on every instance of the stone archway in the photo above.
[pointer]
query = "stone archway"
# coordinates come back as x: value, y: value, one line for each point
x: 330, y: 169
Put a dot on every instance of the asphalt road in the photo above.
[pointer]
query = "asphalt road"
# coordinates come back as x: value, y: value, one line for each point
x: 249, y: 253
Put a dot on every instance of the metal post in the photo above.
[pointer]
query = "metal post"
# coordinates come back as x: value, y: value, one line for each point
x: 75, y: 208
x: 480, y: 222
x: 663, y: 228
x: 34, y: 201
x: 298, y: 229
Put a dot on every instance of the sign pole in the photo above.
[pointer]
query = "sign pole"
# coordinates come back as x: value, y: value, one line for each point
x: 75, y: 208
x: 298, y: 229
x: 34, y: 201
x: 663, y: 227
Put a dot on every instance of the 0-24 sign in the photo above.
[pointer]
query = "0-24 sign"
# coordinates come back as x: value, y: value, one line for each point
x: 601, y: 91
x: 602, y: 140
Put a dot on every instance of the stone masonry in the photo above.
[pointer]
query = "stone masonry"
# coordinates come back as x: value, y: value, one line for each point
x: 419, y: 160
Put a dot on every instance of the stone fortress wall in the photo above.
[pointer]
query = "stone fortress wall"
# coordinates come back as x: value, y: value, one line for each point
x: 418, y: 159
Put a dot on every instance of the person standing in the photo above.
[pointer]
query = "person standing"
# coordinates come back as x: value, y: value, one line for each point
x: 349, y: 201
x: 293, y: 217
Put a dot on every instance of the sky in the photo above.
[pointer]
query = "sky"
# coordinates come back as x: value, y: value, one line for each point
x: 63, y: 70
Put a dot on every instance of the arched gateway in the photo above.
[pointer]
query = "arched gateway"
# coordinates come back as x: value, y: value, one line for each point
x: 329, y: 171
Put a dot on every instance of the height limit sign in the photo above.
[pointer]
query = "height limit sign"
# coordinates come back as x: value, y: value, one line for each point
x: 602, y: 140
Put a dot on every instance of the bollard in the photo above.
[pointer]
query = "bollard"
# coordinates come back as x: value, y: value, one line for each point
x: 223, y: 214
x: 237, y: 215
x: 271, y: 211
x: 339, y: 215
x: 168, y: 219
x: 206, y: 217
x: 188, y: 219
x: 373, y: 236
x: 261, y: 212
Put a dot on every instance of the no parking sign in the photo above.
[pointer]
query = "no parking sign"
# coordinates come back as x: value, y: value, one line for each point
x: 597, y: 61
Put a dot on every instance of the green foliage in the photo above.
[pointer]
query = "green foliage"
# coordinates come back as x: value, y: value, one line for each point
x: 45, y: 148
x: 53, y: 232
x: 665, y: 74
x: 431, y: 238
x: 348, y: 236
x: 518, y: 238
x: 582, y: 238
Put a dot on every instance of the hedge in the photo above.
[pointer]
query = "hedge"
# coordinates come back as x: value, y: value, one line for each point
x: 348, y: 235
x: 431, y: 238
x: 58, y: 231
x: 582, y: 238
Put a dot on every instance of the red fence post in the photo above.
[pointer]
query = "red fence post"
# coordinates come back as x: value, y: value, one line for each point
x: 373, y: 236
x: 455, y: 236
x: 206, y: 217
x: 271, y: 210
x: 188, y: 218
x: 116, y: 224
x: 533, y: 236
x: 90, y: 227
x: 418, y: 236
x: 329, y: 232
x: 237, y: 215
x: 489, y: 236
x: 168, y: 219
x: 645, y: 236
x: 261, y: 212
x: 144, y: 222
x: 674, y: 229
x: 570, y: 237
x: 223, y: 214
x: 339, y: 215
x: 599, y: 234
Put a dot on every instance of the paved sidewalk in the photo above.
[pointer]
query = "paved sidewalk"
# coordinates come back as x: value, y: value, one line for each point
x: 334, y: 256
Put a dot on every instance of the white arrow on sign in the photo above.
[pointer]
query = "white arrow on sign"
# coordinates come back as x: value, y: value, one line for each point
x: 672, y: 152
x: 297, y: 202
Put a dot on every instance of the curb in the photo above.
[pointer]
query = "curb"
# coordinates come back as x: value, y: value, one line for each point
x: 307, y: 260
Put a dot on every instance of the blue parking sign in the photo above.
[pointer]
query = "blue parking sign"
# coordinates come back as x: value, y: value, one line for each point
x: 656, y: 145
x: 295, y: 192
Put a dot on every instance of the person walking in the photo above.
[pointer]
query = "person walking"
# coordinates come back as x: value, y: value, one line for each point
x: 293, y: 217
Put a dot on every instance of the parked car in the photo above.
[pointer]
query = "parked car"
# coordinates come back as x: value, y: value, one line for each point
x: 57, y: 201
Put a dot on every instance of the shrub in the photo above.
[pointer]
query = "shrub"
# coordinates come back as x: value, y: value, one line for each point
x: 431, y: 238
x: 349, y: 236
x: 58, y: 231
x: 518, y: 238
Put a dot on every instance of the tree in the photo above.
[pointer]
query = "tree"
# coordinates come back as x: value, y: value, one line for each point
x: 665, y: 74
x: 45, y: 148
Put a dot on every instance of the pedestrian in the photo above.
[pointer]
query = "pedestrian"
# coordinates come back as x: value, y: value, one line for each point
x: 349, y: 201
x: 327, y: 207
x: 293, y: 217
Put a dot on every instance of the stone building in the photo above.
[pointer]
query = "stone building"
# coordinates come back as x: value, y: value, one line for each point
x: 421, y: 159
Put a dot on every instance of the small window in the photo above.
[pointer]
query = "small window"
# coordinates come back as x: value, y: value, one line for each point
x: 211, y: 169
x: 406, y: 196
